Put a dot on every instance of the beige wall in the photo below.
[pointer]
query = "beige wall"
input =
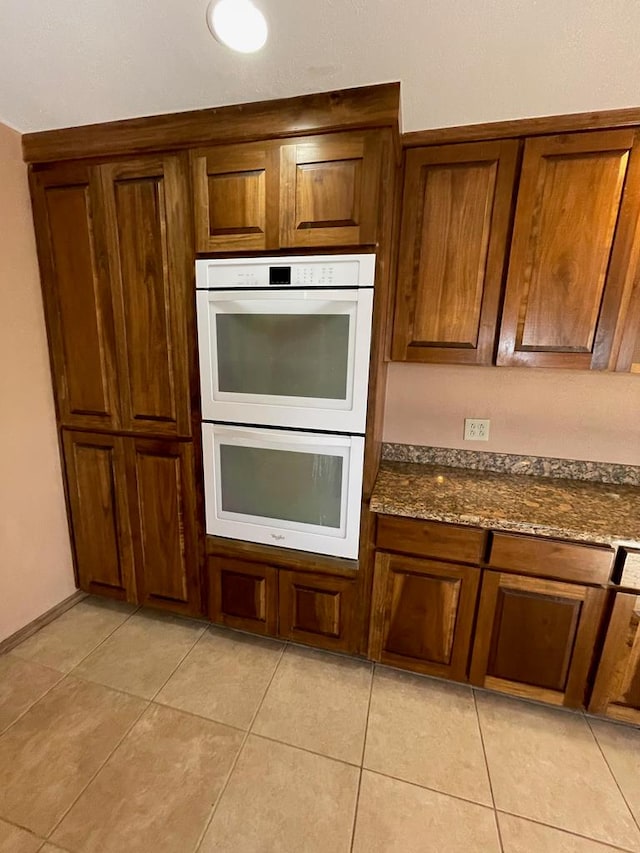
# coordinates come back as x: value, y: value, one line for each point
x: 35, y: 558
x: 572, y: 415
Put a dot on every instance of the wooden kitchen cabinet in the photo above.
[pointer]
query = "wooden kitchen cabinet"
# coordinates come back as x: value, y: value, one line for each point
x: 318, y: 609
x: 573, y: 251
x: 117, y: 279
x: 456, y: 213
x: 243, y: 594
x: 617, y: 687
x: 319, y: 191
x: 132, y: 505
x: 422, y: 614
x: 536, y: 637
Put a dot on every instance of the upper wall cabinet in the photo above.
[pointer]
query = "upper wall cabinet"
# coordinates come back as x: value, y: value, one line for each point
x: 317, y: 191
x: 572, y: 259
x: 455, y: 219
x: 114, y: 247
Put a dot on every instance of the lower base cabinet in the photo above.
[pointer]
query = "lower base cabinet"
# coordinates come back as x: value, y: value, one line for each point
x: 422, y: 614
x: 617, y: 688
x: 536, y: 637
x: 243, y: 595
x: 133, y: 519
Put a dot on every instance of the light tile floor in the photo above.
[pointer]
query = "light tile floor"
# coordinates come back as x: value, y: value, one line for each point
x: 125, y: 731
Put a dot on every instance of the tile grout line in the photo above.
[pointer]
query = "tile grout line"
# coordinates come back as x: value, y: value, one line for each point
x: 177, y: 666
x: 364, y: 746
x: 234, y: 763
x: 486, y: 763
x: 433, y: 790
x: 610, y: 769
x: 570, y: 832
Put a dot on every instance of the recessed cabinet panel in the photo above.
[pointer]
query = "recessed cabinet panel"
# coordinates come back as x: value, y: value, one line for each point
x: 570, y: 252
x: 95, y: 470
x: 617, y: 688
x: 76, y: 296
x: 456, y: 212
x: 243, y: 594
x: 163, y: 503
x: 230, y: 188
x: 318, y: 609
x: 329, y: 190
x: 422, y: 614
x: 148, y: 232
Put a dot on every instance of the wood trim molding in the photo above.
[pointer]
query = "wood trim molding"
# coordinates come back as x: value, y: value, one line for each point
x: 23, y: 633
x: 362, y: 107
x: 570, y: 123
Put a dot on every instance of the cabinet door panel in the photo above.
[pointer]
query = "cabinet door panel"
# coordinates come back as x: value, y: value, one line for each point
x: 76, y: 294
x: 536, y: 638
x: 318, y: 610
x: 617, y: 688
x: 329, y: 190
x: 243, y: 595
x: 235, y: 188
x: 149, y: 251
x: 162, y: 490
x: 422, y: 615
x: 455, y: 217
x: 95, y: 470
x: 568, y: 271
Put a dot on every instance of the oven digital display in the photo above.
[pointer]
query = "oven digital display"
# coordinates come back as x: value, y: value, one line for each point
x: 279, y: 275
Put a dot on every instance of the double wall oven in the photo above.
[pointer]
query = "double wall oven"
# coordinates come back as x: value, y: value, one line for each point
x: 284, y: 363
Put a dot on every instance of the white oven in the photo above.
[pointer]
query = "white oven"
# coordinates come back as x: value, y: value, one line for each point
x: 287, y: 488
x: 285, y: 341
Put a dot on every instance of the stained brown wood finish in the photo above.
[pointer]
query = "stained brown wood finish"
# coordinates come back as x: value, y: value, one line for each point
x: 422, y: 615
x: 453, y: 241
x: 568, y: 267
x: 77, y: 299
x: 147, y: 216
x: 98, y: 503
x: 536, y: 638
x: 162, y: 500
x: 366, y: 106
x: 243, y: 595
x: 431, y: 539
x: 318, y: 609
x: 231, y: 185
x: 617, y: 687
x: 551, y: 558
x: 329, y: 190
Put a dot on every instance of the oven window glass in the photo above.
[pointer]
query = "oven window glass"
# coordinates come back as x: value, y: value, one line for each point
x: 283, y: 484
x: 283, y: 355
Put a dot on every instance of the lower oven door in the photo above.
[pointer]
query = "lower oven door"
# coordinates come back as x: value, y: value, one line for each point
x: 291, y: 489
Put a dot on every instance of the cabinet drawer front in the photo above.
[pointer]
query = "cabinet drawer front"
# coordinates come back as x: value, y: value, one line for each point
x: 551, y: 559
x: 243, y: 595
x: 317, y: 609
x: 430, y: 539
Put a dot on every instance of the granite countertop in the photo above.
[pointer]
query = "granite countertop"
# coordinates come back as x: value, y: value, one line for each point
x: 603, y: 513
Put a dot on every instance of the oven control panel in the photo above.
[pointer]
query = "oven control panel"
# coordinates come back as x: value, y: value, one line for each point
x: 300, y: 271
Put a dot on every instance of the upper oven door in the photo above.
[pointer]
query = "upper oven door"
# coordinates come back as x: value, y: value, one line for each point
x: 291, y: 358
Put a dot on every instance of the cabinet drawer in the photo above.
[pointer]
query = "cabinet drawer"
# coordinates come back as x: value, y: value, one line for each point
x: 551, y: 559
x: 430, y: 539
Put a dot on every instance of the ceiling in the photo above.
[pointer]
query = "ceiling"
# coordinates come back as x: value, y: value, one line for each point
x: 71, y: 62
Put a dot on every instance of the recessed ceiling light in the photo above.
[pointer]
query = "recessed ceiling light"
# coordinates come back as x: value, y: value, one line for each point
x: 238, y: 24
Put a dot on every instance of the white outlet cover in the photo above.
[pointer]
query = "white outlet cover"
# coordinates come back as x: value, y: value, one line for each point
x: 476, y: 429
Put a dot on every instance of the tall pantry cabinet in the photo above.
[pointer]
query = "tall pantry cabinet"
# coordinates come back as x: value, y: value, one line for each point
x: 114, y: 244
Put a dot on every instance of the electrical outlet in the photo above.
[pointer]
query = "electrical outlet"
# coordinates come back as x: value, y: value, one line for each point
x: 476, y: 429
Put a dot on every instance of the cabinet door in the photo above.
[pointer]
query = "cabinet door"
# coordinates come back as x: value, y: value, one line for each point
x: 236, y: 197
x: 536, y: 638
x: 570, y: 270
x: 243, y: 595
x: 151, y: 264
x: 456, y: 211
x: 96, y: 482
x: 629, y: 353
x: 329, y: 190
x: 163, y: 515
x: 318, y: 610
x: 617, y: 688
x: 422, y: 615
x: 77, y: 294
